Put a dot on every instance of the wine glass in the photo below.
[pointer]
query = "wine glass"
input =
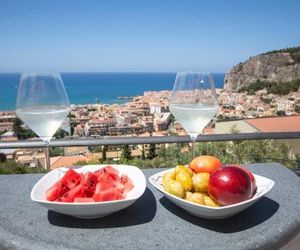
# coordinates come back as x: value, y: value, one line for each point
x: 42, y: 103
x: 193, y: 102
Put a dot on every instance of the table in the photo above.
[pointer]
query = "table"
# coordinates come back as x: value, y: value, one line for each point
x: 153, y: 222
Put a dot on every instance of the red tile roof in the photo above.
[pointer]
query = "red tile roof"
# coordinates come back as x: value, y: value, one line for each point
x: 276, y: 124
x: 66, y: 161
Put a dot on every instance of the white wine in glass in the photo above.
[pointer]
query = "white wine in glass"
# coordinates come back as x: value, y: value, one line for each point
x: 42, y: 103
x: 193, y: 102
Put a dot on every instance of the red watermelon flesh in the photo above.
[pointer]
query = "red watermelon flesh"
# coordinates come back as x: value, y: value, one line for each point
x: 105, y: 184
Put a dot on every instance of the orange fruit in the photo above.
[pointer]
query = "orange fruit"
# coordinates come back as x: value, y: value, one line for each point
x: 205, y: 163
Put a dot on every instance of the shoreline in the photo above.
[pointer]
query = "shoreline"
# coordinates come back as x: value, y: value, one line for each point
x: 119, y: 100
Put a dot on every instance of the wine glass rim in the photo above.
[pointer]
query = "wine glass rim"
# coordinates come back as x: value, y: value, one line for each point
x: 194, y: 73
x: 40, y: 73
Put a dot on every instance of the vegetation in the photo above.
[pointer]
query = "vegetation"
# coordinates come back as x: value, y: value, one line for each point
x: 280, y: 113
x: 282, y: 88
x: 252, y: 151
x: 60, y: 133
x: 266, y: 100
x: 294, y: 52
x: 70, y: 115
x: 57, y: 151
x: 104, y: 150
x: 2, y: 157
x: 255, y: 151
x: 152, y: 151
x: 95, y: 149
x: 297, y: 108
x: 3, y: 132
x: 12, y: 167
x: 126, y: 154
x: 20, y: 132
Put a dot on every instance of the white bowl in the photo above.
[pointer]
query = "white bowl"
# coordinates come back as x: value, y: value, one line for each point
x: 89, y: 209
x: 264, y: 185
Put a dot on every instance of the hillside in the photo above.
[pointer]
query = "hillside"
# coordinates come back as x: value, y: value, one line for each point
x: 276, y: 67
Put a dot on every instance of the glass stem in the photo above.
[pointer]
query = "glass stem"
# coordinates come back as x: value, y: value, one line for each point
x: 47, y: 155
x: 193, y: 139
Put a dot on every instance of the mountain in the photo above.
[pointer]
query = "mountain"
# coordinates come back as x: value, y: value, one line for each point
x: 277, y: 66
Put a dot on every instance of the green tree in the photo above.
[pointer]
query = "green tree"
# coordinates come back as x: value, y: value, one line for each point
x: 297, y: 108
x: 152, y: 151
x: 20, y: 132
x: 2, y: 157
x: 57, y: 151
x: 280, y: 113
x: 143, y: 152
x: 104, y: 150
x: 73, y: 124
x: 3, y: 132
x: 17, y: 126
x: 60, y: 133
x: 71, y: 116
x: 95, y: 149
x: 298, y: 159
x: 72, y: 130
x: 126, y: 154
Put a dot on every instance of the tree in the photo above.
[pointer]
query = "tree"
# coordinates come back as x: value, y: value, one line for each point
x: 126, y: 154
x: 20, y: 132
x: 104, y: 150
x: 73, y: 124
x: 56, y: 152
x: 152, y: 151
x: 3, y: 132
x: 60, y: 133
x: 143, y: 152
x: 280, y: 113
x: 2, y: 157
x: 298, y: 159
x: 72, y: 130
x: 297, y: 109
x: 70, y: 115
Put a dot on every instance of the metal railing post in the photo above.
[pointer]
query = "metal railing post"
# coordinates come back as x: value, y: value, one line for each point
x: 47, y: 154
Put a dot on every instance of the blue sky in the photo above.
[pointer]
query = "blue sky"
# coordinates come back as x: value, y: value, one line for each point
x: 142, y: 36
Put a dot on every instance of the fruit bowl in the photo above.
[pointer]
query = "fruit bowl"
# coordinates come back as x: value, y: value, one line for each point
x: 264, y: 185
x: 89, y: 209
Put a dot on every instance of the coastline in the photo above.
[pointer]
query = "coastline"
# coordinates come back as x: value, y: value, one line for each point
x: 85, y: 88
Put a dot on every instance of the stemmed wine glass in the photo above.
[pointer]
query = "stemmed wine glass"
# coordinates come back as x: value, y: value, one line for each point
x: 193, y: 102
x: 42, y: 103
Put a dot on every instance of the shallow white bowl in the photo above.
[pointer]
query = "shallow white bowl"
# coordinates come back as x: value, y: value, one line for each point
x: 94, y: 209
x: 264, y: 185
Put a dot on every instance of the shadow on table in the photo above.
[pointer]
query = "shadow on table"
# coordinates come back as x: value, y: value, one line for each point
x: 140, y: 212
x: 261, y: 211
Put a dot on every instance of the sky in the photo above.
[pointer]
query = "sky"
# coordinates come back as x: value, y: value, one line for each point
x: 142, y: 35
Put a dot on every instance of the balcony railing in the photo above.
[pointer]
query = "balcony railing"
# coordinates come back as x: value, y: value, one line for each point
x: 148, y: 140
x: 72, y: 142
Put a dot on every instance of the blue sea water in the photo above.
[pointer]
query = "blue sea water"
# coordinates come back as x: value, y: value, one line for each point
x: 85, y: 88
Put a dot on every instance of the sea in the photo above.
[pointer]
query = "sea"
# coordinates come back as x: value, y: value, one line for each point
x: 106, y: 88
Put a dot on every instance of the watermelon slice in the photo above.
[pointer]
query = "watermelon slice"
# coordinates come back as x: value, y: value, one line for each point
x: 105, y: 184
x: 108, y: 195
x: 71, y: 178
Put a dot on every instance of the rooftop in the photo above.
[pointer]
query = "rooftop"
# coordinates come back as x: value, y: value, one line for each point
x: 276, y: 124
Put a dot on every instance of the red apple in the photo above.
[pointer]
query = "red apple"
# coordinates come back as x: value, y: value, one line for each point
x: 254, y: 187
x: 230, y: 184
